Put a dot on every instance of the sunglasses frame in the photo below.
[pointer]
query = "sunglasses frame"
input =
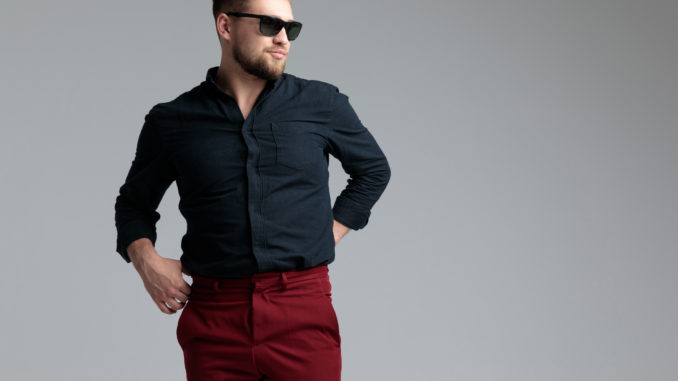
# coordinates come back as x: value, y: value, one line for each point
x: 285, y: 24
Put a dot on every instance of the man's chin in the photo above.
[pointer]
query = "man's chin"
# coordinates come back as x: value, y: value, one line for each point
x: 268, y: 75
x: 274, y: 75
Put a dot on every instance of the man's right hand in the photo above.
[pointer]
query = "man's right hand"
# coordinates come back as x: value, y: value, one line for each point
x: 161, y: 276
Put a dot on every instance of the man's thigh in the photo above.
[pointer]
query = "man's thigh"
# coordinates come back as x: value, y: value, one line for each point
x: 298, y: 336
x: 215, y: 342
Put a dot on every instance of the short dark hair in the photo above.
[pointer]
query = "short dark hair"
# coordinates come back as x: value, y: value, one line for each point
x: 223, y: 6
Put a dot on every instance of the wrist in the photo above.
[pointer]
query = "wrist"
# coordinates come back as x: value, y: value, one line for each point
x: 141, y: 251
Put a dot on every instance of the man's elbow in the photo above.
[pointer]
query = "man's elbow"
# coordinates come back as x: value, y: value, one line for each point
x: 383, y: 174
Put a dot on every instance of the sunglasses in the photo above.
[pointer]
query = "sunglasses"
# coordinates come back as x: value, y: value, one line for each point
x: 271, y: 26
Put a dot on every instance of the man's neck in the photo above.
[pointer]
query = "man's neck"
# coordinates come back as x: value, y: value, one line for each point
x: 243, y: 87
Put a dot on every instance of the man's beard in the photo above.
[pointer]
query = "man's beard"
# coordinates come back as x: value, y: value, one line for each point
x: 257, y: 67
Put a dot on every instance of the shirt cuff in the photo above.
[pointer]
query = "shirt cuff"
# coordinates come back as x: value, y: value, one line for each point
x: 131, y: 232
x: 349, y: 215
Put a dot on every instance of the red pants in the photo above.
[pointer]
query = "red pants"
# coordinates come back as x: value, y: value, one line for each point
x: 274, y: 326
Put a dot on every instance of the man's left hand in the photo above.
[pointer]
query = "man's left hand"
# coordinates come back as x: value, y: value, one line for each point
x: 340, y: 230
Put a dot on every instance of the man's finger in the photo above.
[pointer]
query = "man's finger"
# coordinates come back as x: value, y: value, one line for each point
x: 172, y: 306
x: 163, y: 308
x: 184, y: 288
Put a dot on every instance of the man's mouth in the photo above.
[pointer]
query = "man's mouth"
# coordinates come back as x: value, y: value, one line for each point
x: 278, y: 53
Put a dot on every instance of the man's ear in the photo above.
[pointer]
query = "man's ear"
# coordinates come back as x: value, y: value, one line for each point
x: 224, y: 22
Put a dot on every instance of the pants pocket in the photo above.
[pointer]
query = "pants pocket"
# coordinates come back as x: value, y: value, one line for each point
x: 181, y: 323
x: 334, y: 322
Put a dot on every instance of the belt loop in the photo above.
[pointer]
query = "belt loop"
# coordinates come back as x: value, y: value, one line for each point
x: 215, y: 285
x: 284, y: 280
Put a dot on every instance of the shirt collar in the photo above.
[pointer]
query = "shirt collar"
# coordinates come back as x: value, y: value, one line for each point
x: 211, y: 81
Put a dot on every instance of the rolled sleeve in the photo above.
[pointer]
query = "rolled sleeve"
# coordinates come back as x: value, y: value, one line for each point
x: 149, y: 177
x: 361, y: 158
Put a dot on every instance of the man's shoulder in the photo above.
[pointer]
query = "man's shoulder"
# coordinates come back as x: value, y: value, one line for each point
x: 318, y: 92
x: 309, y: 84
x: 170, y: 109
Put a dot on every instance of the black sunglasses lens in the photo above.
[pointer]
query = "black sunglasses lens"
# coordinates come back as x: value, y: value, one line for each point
x: 293, y: 31
x: 270, y: 26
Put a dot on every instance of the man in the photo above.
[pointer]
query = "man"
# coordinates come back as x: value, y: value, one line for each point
x: 248, y: 148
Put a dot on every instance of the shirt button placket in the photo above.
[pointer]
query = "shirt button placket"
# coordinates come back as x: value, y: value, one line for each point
x: 255, y: 193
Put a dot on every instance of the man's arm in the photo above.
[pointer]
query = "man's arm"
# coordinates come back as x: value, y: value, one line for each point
x: 148, y: 179
x: 136, y: 216
x: 362, y: 158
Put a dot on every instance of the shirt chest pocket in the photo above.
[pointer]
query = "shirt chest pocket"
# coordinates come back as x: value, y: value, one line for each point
x: 293, y: 145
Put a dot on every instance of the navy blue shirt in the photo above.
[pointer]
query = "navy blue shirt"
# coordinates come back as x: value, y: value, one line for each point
x: 254, y: 192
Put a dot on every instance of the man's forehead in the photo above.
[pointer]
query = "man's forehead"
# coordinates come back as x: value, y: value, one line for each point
x: 274, y: 14
x: 281, y: 10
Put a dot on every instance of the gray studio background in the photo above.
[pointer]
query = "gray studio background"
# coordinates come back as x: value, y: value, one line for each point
x: 529, y: 230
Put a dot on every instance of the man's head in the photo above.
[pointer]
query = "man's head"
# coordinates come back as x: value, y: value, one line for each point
x: 242, y: 41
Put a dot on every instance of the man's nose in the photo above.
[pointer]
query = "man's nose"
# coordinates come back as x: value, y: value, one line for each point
x: 281, y: 36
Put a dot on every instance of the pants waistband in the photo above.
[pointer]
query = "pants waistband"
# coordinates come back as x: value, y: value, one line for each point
x: 259, y: 280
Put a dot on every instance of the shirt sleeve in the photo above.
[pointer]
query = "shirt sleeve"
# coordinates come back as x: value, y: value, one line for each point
x: 150, y: 175
x: 362, y: 158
